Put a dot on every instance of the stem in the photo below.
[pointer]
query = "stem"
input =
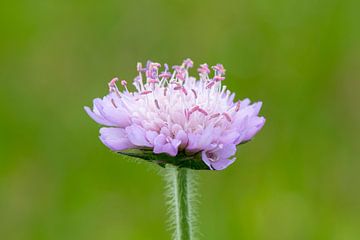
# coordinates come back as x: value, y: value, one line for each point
x: 180, y: 195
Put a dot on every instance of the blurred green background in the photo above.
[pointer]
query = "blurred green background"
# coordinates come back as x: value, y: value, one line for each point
x: 299, y: 179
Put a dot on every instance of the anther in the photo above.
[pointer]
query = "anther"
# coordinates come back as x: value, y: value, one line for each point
x: 157, y: 104
x: 210, y: 85
x: 123, y: 83
x: 113, y: 103
x: 180, y: 76
x: 145, y: 92
x: 214, y: 115
x: 227, y: 116
x: 112, y: 84
x: 219, y: 68
x: 194, y: 93
x: 177, y: 68
x: 203, y: 111
x: 204, y: 69
x: 152, y: 80
x: 188, y: 63
x: 218, y: 78
x: 184, y: 91
x: 165, y: 75
x: 237, y: 108
x: 194, y: 109
x: 155, y: 65
x: 139, y: 67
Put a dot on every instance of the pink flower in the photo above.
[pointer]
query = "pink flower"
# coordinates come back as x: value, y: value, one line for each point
x: 177, y: 115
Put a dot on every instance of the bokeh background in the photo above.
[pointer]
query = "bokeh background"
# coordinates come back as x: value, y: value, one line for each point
x: 298, y: 179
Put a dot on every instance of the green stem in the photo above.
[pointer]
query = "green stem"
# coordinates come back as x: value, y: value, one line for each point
x: 180, y: 195
x: 182, y: 182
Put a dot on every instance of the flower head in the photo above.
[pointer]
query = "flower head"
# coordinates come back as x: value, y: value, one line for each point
x: 174, y: 118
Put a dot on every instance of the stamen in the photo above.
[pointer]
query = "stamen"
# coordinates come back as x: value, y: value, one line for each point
x: 155, y: 65
x: 204, y: 69
x: 145, y: 92
x: 218, y: 78
x: 186, y: 113
x: 214, y: 115
x: 157, y: 104
x: 188, y: 63
x: 210, y: 85
x: 123, y: 83
x: 194, y: 93
x: 177, y: 68
x: 112, y: 84
x: 152, y: 80
x: 203, y: 111
x: 194, y: 109
x: 237, y: 108
x: 219, y: 69
x: 137, y: 79
x: 113, y: 103
x: 227, y: 116
x: 139, y: 67
x: 184, y: 91
x: 165, y: 75
x: 180, y: 76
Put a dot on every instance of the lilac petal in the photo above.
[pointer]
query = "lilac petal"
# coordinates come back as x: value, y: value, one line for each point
x: 226, y: 151
x: 219, y: 158
x: 229, y: 137
x: 200, y: 141
x: 161, y: 145
x: 254, y: 127
x: 111, y: 110
x: 182, y: 137
x: 150, y: 136
x: 244, y: 103
x: 118, y: 116
x: 97, y: 118
x: 256, y: 108
x: 216, y: 165
x: 222, y: 164
x: 136, y: 135
x: 115, y: 139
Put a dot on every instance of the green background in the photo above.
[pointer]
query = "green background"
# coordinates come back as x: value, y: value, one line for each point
x: 298, y: 179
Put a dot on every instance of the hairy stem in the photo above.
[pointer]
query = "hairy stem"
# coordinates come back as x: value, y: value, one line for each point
x: 180, y: 195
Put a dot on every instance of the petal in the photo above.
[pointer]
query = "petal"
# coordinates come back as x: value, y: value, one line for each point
x: 222, y: 164
x: 113, y: 111
x: 206, y: 159
x: 201, y: 141
x: 229, y: 136
x: 226, y: 151
x: 254, y: 126
x: 115, y: 139
x: 97, y: 118
x: 256, y: 108
x: 220, y: 158
x: 136, y: 135
x: 182, y: 137
x: 150, y: 136
x: 161, y: 145
x: 193, y: 142
x: 118, y: 116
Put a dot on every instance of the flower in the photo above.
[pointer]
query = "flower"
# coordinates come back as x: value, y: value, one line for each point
x: 174, y: 118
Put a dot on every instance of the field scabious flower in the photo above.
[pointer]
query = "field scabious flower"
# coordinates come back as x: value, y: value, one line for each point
x: 176, y: 116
